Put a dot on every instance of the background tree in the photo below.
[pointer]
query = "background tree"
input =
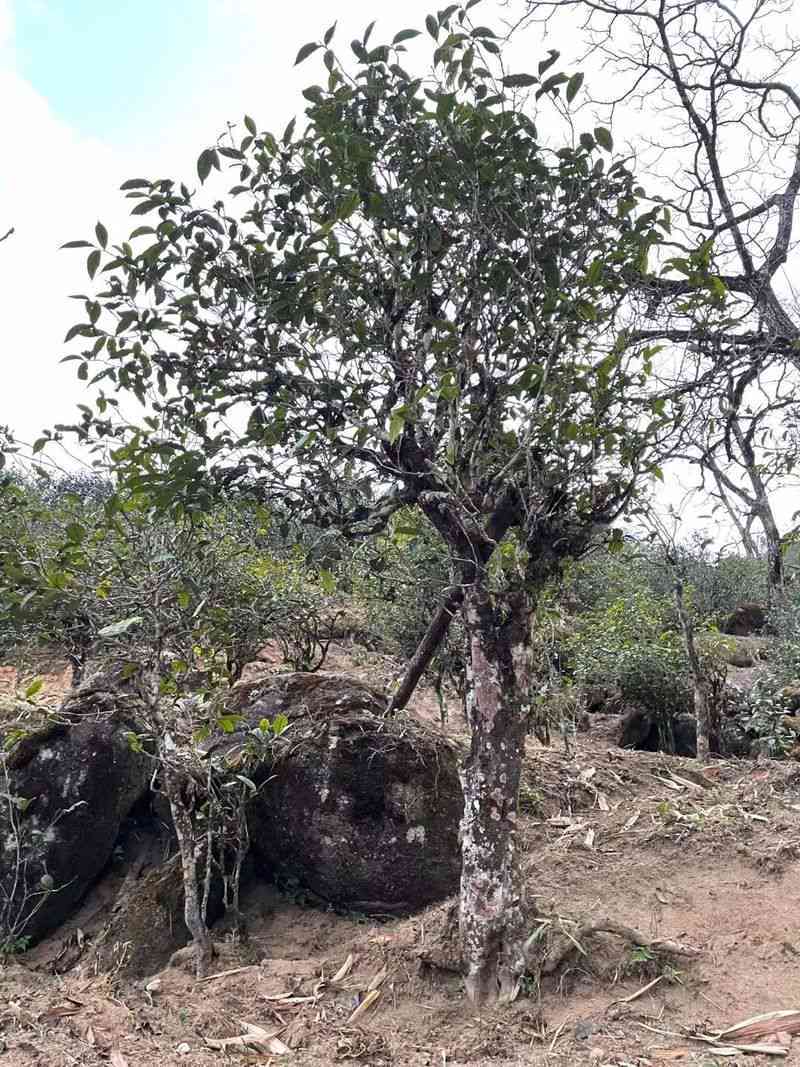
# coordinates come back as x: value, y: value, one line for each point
x: 412, y: 302
x: 726, y: 160
x: 741, y: 439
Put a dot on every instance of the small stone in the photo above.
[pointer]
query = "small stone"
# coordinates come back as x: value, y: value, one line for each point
x: 597, y: 1054
x: 184, y: 1048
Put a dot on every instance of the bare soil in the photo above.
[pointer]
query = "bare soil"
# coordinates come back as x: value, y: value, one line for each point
x: 705, y: 856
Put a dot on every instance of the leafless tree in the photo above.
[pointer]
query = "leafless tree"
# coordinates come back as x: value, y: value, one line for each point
x: 721, y: 87
x: 725, y: 86
x: 744, y: 447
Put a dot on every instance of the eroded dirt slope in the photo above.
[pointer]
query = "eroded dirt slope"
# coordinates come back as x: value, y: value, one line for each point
x: 707, y: 857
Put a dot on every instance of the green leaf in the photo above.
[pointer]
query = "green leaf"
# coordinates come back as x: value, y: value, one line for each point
x: 75, y: 532
x: 603, y: 138
x: 250, y: 125
x: 519, y: 81
x: 546, y: 63
x: 405, y: 35
x: 116, y: 629
x: 595, y: 272
x: 135, y: 183
x: 34, y: 688
x: 397, y: 423
x: 306, y: 51
x: 205, y: 161
x: 78, y: 244
x: 551, y: 83
x: 102, y: 234
x: 331, y: 30
x: 134, y: 742
x: 587, y: 141
x: 93, y: 262
x: 483, y: 31
x: 228, y: 723
x: 327, y: 581
x: 573, y: 86
x: 432, y: 26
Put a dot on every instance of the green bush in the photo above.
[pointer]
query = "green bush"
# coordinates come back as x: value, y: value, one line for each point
x: 626, y: 645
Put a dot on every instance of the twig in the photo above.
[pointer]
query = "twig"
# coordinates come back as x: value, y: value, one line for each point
x: 639, y: 993
x: 225, y: 974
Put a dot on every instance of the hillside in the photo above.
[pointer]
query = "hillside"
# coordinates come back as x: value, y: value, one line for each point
x: 704, y: 857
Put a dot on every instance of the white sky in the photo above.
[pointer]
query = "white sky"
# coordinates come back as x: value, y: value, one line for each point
x: 57, y: 179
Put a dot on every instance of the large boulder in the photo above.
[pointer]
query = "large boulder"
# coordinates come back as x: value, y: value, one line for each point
x: 358, y: 809
x: 648, y: 731
x: 304, y: 694
x: 745, y: 619
x: 68, y: 787
x: 651, y: 731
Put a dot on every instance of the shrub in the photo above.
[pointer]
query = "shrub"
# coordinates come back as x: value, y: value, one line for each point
x: 626, y: 645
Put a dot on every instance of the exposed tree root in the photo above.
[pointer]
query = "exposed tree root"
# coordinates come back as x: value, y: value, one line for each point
x: 554, y: 941
x: 560, y: 942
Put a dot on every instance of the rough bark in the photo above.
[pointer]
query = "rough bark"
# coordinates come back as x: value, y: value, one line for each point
x: 193, y: 908
x: 490, y: 912
x: 476, y: 545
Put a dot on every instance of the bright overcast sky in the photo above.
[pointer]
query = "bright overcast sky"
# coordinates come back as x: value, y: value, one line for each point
x: 97, y: 91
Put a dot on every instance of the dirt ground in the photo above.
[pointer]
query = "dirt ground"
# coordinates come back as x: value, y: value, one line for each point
x: 706, y: 857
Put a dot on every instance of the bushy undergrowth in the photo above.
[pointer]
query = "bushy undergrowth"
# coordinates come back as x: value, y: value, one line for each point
x: 68, y: 570
x: 628, y: 644
x: 716, y: 585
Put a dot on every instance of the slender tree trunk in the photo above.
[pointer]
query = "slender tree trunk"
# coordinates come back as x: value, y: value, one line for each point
x: 426, y: 650
x: 742, y: 524
x: 703, y: 709
x: 192, y: 906
x: 77, y: 665
x: 776, y: 573
x: 490, y: 911
x: 762, y: 508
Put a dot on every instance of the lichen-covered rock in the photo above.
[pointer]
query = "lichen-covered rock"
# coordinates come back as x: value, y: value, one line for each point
x: 745, y: 619
x: 306, y: 694
x: 734, y: 739
x: 358, y: 809
x: 68, y: 788
x: 651, y: 731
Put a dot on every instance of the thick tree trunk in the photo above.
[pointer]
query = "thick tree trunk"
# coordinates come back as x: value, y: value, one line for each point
x: 490, y: 911
x: 192, y: 907
x: 776, y: 573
